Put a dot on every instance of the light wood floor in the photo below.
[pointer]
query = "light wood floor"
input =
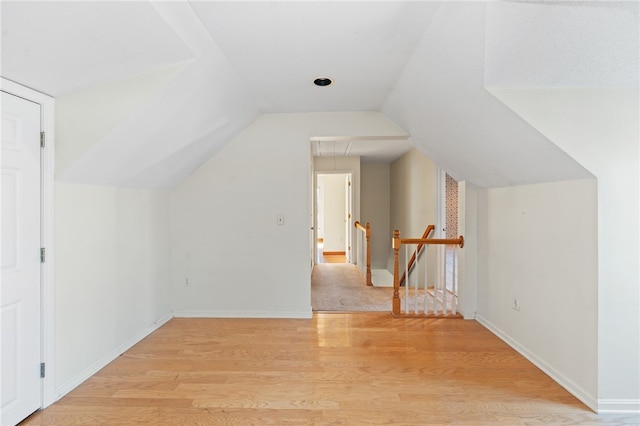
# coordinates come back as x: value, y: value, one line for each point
x: 330, y: 257
x: 333, y: 258
x: 337, y: 368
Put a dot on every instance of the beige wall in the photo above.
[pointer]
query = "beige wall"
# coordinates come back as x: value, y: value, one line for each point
x: 413, y: 196
x: 334, y: 215
x: 375, y: 209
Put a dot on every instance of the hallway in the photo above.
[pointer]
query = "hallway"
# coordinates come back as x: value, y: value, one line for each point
x: 340, y: 287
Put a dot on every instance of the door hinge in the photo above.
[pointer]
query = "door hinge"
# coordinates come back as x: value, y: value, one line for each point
x: 349, y: 183
x: 42, y: 255
x: 42, y: 370
x: 42, y: 139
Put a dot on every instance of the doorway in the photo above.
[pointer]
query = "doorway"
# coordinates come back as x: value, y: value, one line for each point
x: 448, y: 222
x: 333, y: 217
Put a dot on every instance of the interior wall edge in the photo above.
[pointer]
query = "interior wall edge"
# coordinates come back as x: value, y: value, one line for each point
x: 85, y: 374
x: 589, y: 400
x: 302, y: 314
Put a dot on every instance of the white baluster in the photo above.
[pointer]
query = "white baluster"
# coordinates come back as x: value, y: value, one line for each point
x: 406, y: 278
x: 435, y: 286
x: 426, y: 277
x: 415, y: 284
x: 360, y: 252
x: 444, y: 283
x: 455, y: 279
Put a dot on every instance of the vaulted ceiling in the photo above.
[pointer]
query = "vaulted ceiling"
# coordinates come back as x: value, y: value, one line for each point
x: 148, y: 91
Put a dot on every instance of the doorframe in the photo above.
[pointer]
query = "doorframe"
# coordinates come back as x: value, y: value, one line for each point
x: 47, y: 282
x: 350, y: 208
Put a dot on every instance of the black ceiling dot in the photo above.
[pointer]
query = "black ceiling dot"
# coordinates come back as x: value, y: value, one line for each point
x: 322, y: 81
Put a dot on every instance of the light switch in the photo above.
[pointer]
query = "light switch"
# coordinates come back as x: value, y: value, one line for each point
x: 280, y: 220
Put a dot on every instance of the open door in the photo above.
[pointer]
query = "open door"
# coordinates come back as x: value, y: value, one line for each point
x: 313, y: 233
x: 333, y: 215
x: 20, y: 308
x: 349, y: 218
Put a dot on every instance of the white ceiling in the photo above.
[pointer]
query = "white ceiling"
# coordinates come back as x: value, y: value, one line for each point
x: 278, y: 48
x: 562, y: 44
x: 148, y: 91
x: 380, y: 150
x: 58, y: 47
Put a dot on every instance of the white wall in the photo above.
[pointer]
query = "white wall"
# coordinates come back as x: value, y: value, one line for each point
x: 335, y: 208
x: 225, y: 237
x: 375, y: 208
x: 112, y: 274
x: 600, y: 129
x: 538, y: 243
x: 583, y: 95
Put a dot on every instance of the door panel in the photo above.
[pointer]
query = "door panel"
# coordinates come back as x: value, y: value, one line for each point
x: 20, y: 308
x: 349, y: 221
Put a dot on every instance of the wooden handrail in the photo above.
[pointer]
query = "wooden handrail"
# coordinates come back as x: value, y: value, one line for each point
x: 367, y: 233
x: 425, y: 234
x: 396, y: 243
x: 456, y: 241
x: 360, y: 227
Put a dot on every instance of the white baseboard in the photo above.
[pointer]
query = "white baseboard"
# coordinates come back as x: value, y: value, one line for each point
x: 619, y: 406
x: 244, y: 314
x: 76, y: 380
x: 574, y: 389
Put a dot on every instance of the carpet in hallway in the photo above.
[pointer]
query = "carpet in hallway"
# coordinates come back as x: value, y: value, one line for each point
x: 340, y: 287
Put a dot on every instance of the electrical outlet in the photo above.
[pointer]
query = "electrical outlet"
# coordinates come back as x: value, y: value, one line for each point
x: 516, y: 304
x: 186, y: 282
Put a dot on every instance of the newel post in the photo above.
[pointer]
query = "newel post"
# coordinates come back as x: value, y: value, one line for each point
x: 368, y: 236
x: 396, y: 275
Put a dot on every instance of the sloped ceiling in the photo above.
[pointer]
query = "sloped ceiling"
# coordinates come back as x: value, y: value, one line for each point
x: 555, y: 78
x: 443, y: 102
x: 148, y: 91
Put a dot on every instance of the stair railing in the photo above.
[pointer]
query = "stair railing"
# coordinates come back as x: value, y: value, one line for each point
x: 416, y: 253
x: 438, y: 299
x: 364, y: 251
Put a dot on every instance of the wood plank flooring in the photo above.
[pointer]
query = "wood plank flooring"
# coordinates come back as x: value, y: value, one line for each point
x: 335, y: 369
x: 333, y: 258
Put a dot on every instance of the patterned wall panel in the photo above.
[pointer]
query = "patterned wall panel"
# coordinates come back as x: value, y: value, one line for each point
x: 451, y: 207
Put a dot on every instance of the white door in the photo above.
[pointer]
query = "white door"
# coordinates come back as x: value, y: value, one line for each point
x: 20, y: 286
x: 312, y: 209
x: 349, y: 221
